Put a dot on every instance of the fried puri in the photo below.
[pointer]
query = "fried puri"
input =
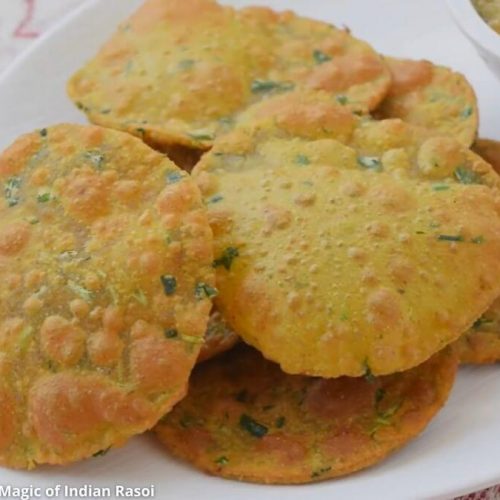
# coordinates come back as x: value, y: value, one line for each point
x: 481, y: 344
x: 489, y: 10
x: 218, y: 338
x: 433, y: 97
x: 345, y: 249
x: 245, y: 419
x: 178, y: 72
x: 106, y: 279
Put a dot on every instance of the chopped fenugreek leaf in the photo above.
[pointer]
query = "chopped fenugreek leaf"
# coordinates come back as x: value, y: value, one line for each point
x: 302, y: 160
x: 450, y: 237
x: 171, y: 333
x: 43, y: 197
x: 280, y: 422
x: 478, y: 240
x: 227, y: 257
x: 379, y: 395
x: 85, y: 294
x: 466, y: 112
x: 185, y: 64
x: 253, y: 427
x: 43, y: 132
x: 242, y: 396
x: 169, y: 283
x: 96, y: 158
x: 262, y: 86
x: 320, y: 472
x: 173, y: 177
x: 440, y: 187
x: 100, y: 453
x: 204, y: 291
x: 201, y: 136
x: 215, y: 199
x: 320, y: 57
x: 140, y: 297
x: 370, y: 162
x: 342, y: 99
x: 222, y: 460
x: 11, y: 191
x: 368, y: 372
x: 465, y: 175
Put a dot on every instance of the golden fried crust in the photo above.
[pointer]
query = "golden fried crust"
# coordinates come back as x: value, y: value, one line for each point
x: 433, y: 97
x: 180, y: 71
x: 245, y: 419
x: 105, y: 281
x: 345, y: 250
x: 481, y: 344
x: 490, y: 11
x: 490, y: 151
x: 218, y: 338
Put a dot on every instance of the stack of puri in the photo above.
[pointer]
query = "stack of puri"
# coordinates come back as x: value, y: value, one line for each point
x: 327, y: 248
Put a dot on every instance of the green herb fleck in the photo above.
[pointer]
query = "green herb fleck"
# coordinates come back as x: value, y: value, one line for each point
x: 43, y: 197
x: 100, y: 453
x: 465, y: 175
x: 11, y: 191
x: 215, y: 199
x: 280, y: 422
x: 169, y: 284
x: 204, y: 291
x: 370, y: 163
x: 222, y: 460
x: 171, y: 333
x: 320, y: 472
x: 440, y: 187
x: 242, y: 396
x: 467, y: 112
x: 85, y: 294
x: 302, y: 160
x: 227, y: 257
x: 368, y: 372
x: 450, y: 237
x: 320, y: 57
x: 43, y: 132
x: 342, y: 99
x: 252, y: 427
x: 173, y: 177
x: 141, y: 131
x: 33, y: 220
x: 140, y: 296
x: 190, y: 339
x: 478, y: 240
x: 379, y: 395
x: 263, y: 86
x: 185, y: 64
x: 479, y: 323
x: 96, y: 158
x: 201, y: 136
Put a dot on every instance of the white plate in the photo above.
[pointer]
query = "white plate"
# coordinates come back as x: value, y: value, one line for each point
x: 459, y: 452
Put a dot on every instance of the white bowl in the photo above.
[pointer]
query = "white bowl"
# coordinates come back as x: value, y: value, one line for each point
x: 485, y: 39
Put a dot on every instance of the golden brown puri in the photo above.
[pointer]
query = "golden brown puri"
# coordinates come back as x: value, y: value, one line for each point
x: 180, y: 71
x: 433, y: 97
x: 218, y: 337
x: 105, y: 286
x: 489, y: 10
x: 245, y: 419
x: 349, y: 252
x: 489, y: 150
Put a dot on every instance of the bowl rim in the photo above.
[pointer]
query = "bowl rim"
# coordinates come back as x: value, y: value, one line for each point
x: 474, y: 26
